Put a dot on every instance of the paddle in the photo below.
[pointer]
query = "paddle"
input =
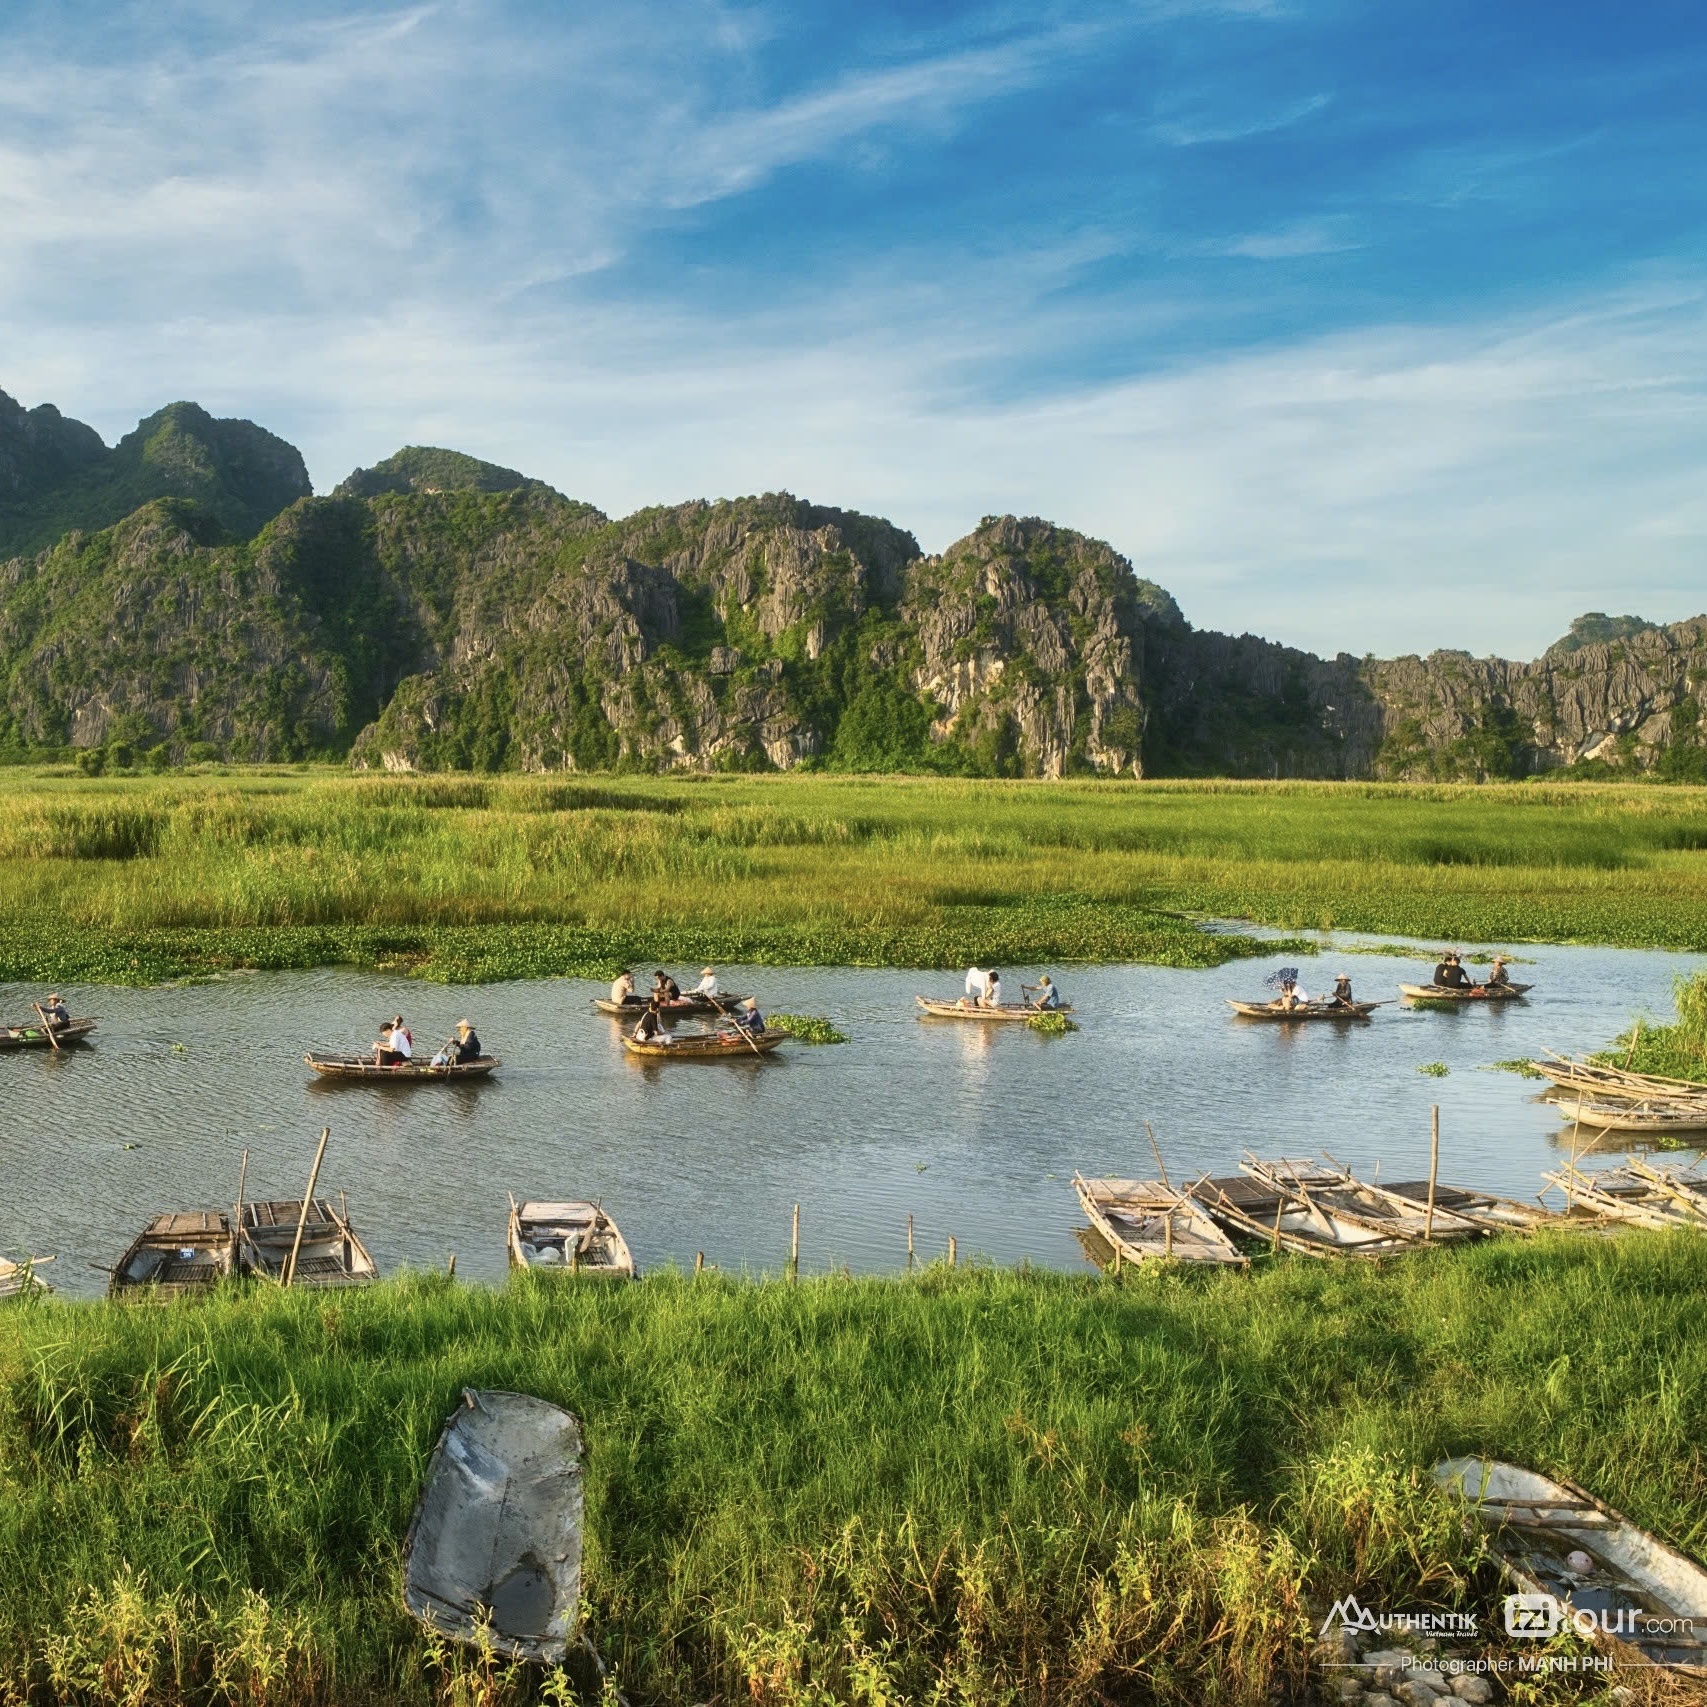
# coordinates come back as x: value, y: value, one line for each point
x: 45, y: 1026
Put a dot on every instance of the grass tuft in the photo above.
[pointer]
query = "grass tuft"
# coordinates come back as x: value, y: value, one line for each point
x: 805, y: 1028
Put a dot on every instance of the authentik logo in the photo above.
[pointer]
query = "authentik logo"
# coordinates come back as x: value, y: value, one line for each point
x: 1348, y: 1614
x: 1351, y: 1614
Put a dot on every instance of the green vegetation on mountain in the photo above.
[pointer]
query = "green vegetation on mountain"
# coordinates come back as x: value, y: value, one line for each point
x: 56, y: 476
x: 425, y: 468
x: 462, y: 878
x: 965, y: 1486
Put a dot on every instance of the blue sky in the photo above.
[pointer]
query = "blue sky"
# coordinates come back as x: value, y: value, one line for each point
x: 1368, y: 327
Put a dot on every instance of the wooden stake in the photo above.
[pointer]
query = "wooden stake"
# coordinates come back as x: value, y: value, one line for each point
x: 794, y: 1247
x: 289, y: 1274
x: 45, y: 1026
x: 909, y: 1241
x: 242, y: 1176
x: 699, y: 1262
x: 450, y: 1267
x: 1635, y: 1038
x: 1433, y: 1169
x: 1168, y: 1231
x: 1274, y: 1245
x: 951, y: 1250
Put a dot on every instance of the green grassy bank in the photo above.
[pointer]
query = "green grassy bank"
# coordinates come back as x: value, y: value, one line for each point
x: 964, y: 1487
x: 139, y: 879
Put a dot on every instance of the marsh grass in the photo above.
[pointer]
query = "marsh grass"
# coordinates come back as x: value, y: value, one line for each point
x: 968, y: 1486
x: 144, y: 878
x: 1676, y: 1051
x: 807, y: 1028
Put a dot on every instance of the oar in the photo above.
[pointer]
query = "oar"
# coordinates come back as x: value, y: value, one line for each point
x: 737, y: 1024
x: 45, y: 1026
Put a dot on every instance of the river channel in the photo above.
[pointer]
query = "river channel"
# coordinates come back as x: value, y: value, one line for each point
x: 974, y: 1131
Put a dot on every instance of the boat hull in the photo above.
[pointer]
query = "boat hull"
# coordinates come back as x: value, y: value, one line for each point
x: 177, y: 1255
x: 688, y: 1007
x: 330, y: 1256
x: 1311, y: 1010
x: 1480, y: 993
x: 568, y: 1238
x: 32, y: 1034
x: 706, y: 1048
x: 352, y: 1069
x: 1008, y: 1011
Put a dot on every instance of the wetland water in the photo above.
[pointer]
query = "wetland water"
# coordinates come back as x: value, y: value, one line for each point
x: 974, y: 1130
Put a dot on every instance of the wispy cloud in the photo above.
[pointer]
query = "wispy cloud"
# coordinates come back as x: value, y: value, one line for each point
x: 1204, y: 123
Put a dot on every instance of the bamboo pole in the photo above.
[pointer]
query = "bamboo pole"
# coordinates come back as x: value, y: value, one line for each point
x: 1115, y: 1266
x: 699, y: 1262
x: 794, y: 1247
x: 44, y: 1025
x: 909, y: 1242
x: 1158, y: 1150
x: 289, y: 1275
x: 450, y: 1267
x: 1635, y: 1038
x: 951, y: 1250
x: 1433, y: 1169
x: 1274, y: 1244
x: 242, y: 1177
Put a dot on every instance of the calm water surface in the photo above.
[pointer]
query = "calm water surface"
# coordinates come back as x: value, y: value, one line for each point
x: 975, y: 1131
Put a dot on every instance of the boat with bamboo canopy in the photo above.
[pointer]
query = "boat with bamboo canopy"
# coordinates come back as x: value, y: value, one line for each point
x: 1635, y: 1192
x: 1652, y: 1119
x: 567, y: 1238
x: 177, y: 1254
x: 934, y: 1009
x: 363, y: 1069
x: 327, y: 1252
x: 1147, y: 1221
x: 1329, y: 1186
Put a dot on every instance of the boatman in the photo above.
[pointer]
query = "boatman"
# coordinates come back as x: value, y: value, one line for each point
x: 748, y: 1017
x: 53, y: 1010
x: 466, y: 1048
x: 622, y: 988
x: 1047, y: 995
x: 1342, y: 997
x: 1499, y: 978
x: 707, y: 985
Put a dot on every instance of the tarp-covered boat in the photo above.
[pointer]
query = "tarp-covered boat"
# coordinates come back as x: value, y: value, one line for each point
x: 191, y: 1251
x: 1303, y: 1010
x: 493, y: 1554
x: 1007, y: 1010
x: 578, y: 1237
x: 362, y: 1068
x: 1615, y: 1582
x: 32, y: 1034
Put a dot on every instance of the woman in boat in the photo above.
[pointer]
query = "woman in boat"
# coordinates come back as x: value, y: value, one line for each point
x: 622, y: 987
x: 1449, y: 974
x: 1047, y: 994
x: 1342, y: 997
x: 650, y: 1026
x: 1498, y: 978
x: 992, y: 989
x: 707, y: 985
x: 748, y: 1017
x: 465, y: 1047
x: 54, y: 1011
x: 395, y: 1045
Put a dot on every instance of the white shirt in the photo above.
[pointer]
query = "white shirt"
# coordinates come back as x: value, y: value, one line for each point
x: 977, y: 983
x: 400, y: 1042
x: 621, y: 989
x: 707, y: 986
x: 1299, y: 993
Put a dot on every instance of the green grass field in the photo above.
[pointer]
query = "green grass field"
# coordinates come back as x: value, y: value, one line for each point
x: 968, y: 1486
x: 136, y: 879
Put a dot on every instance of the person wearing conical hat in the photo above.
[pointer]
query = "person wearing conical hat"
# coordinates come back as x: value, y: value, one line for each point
x: 466, y: 1046
x: 707, y: 985
x: 1342, y: 996
x: 1499, y: 977
x: 54, y: 1011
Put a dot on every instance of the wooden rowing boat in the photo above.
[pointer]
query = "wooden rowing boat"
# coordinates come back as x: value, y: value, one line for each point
x: 1146, y: 1221
x: 19, y: 1279
x: 363, y: 1069
x: 1653, y: 1119
x: 1277, y: 1010
x: 1007, y: 1011
x: 1628, y: 1592
x: 688, y: 1005
x: 1496, y: 1214
x: 1330, y: 1187
x: 1629, y: 1194
x: 32, y: 1034
x: 575, y: 1238
x: 1596, y: 1078
x: 1282, y: 1218
x: 493, y: 1553
x: 331, y: 1254
x: 706, y: 1046
x: 177, y: 1254
x: 1476, y: 992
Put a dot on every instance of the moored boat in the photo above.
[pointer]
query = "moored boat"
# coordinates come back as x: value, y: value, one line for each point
x: 190, y: 1251
x: 1303, y: 1010
x: 32, y: 1034
x: 1475, y: 993
x: 1496, y: 1214
x: 1284, y: 1219
x: 1618, y: 1084
x: 1615, y: 1583
x: 362, y: 1069
x: 1146, y: 1221
x: 493, y: 1553
x: 706, y: 1046
x: 685, y: 1006
x: 1630, y: 1193
x: 330, y: 1254
x: 1007, y: 1011
x: 1330, y: 1187
x: 577, y: 1238
x: 1651, y: 1119
x: 19, y: 1279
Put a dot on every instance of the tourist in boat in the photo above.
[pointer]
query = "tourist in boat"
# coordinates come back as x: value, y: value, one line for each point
x: 622, y: 988
x: 55, y: 1013
x: 1498, y: 978
x: 1046, y: 993
x: 664, y: 987
x: 395, y: 1045
x: 1293, y: 994
x: 992, y: 990
x: 650, y: 1026
x: 977, y: 988
x: 1450, y: 974
x: 707, y: 985
x: 1342, y: 997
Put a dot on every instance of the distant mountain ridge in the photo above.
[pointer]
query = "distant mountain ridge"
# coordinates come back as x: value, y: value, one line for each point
x: 440, y: 612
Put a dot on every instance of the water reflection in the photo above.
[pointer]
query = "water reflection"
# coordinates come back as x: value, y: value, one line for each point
x: 973, y: 1130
